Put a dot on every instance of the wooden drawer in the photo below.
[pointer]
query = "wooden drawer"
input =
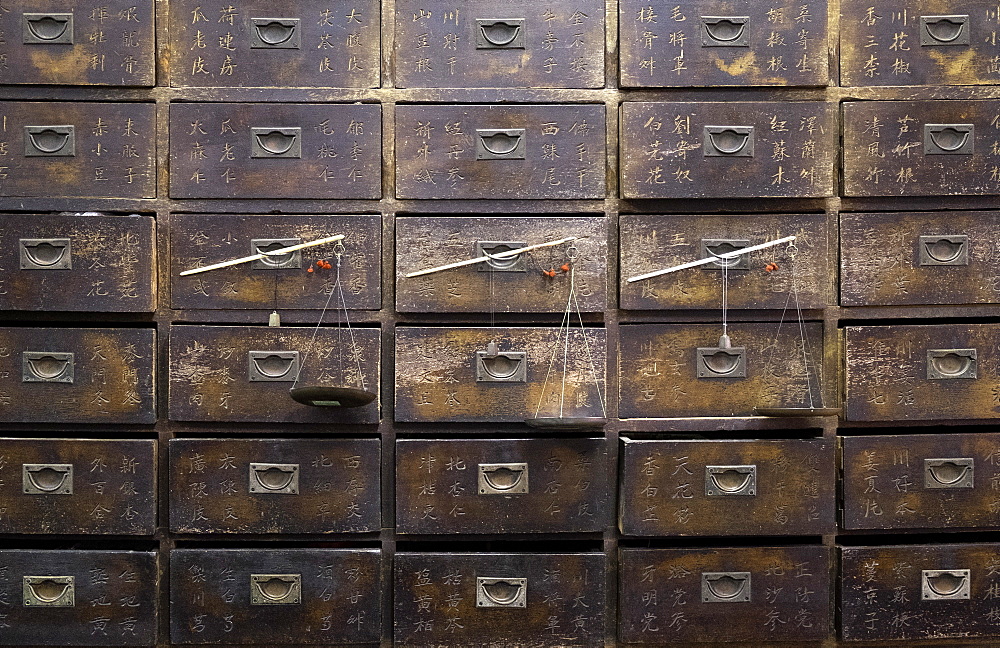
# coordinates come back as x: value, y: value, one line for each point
x: 715, y: 43
x: 229, y: 150
x: 728, y: 150
x: 676, y: 370
x: 78, y: 263
x: 944, y: 371
x: 298, y: 44
x: 465, y: 599
x: 650, y: 243
x: 481, y: 45
x: 516, y: 285
x: 77, y: 375
x: 447, y: 374
x: 502, y: 486
x: 740, y: 594
x: 75, y: 43
x: 275, y: 596
x: 203, y: 239
x: 271, y: 486
x: 243, y: 373
x: 920, y: 148
x: 500, y: 151
x: 728, y: 488
x: 92, y: 150
x: 78, y: 598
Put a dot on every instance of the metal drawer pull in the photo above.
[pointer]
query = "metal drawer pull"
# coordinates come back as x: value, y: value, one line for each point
x: 949, y: 473
x: 275, y: 589
x: 947, y: 364
x: 516, y: 263
x: 949, y: 139
x: 47, y: 479
x: 274, y: 366
x: 272, y: 142
x: 288, y: 261
x: 48, y: 591
x: 717, y: 247
x: 275, y: 33
x: 725, y: 587
x: 944, y: 30
x: 728, y: 141
x: 274, y: 478
x: 500, y: 143
x: 944, y: 584
x: 47, y: 28
x: 951, y: 250
x: 496, y: 33
x: 43, y: 366
x: 501, y: 592
x: 725, y: 31
x: 508, y: 366
x: 731, y: 480
x: 723, y: 361
x: 503, y: 478
x: 50, y: 141
x: 45, y: 254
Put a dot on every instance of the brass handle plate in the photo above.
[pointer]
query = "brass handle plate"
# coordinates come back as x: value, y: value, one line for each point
x: 503, y: 478
x: 47, y: 366
x: 494, y: 592
x: 45, y: 253
x: 275, y: 589
x: 47, y: 479
x: 48, y: 591
x: 274, y: 478
x: 725, y: 587
x: 273, y: 366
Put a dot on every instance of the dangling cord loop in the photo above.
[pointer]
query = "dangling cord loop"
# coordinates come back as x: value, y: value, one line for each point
x: 586, y: 339
x: 806, y: 353
x: 564, y: 324
x: 725, y: 299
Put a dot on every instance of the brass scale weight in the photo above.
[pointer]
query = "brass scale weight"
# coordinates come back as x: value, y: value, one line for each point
x: 314, y: 395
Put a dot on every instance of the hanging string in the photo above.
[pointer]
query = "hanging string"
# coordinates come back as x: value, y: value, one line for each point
x: 725, y: 298
x: 338, y: 250
x: 564, y: 324
x: 586, y: 338
x: 792, y: 251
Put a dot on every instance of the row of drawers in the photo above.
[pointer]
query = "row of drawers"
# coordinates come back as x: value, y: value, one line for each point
x: 463, y: 486
x: 667, y: 150
x: 560, y: 45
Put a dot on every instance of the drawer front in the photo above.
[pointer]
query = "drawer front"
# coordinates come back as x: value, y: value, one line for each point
x: 508, y: 486
x: 76, y: 43
x: 918, y: 592
x: 243, y: 373
x: 448, y: 374
x: 754, y: 594
x: 920, y: 148
x: 946, y: 371
x: 912, y: 42
x: 519, y: 44
x: 228, y: 150
x: 650, y: 243
x: 728, y: 150
x: 501, y: 151
x: 674, y: 370
x: 92, y: 150
x: 918, y: 258
x: 203, y: 239
x: 275, y: 596
x: 714, y: 43
x: 78, y: 598
x: 452, y: 599
x: 80, y: 375
x: 77, y: 263
x: 518, y: 284
x: 728, y: 488
x: 267, y: 486
x: 926, y: 481
x: 298, y: 44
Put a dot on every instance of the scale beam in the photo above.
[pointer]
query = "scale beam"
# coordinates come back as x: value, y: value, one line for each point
x: 501, y: 255
x: 706, y: 261
x: 256, y: 257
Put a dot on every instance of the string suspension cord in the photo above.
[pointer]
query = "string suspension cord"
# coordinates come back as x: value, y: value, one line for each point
x: 583, y: 331
x: 793, y: 295
x: 725, y: 300
x: 563, y: 329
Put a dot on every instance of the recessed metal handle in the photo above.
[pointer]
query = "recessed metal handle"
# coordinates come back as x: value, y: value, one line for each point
x: 500, y: 143
x: 45, y: 253
x: 945, y: 584
x: 949, y: 139
x: 506, y: 366
x: 274, y: 478
x: 50, y: 141
x: 951, y: 250
x: 723, y: 361
x: 273, y: 366
x: 501, y: 592
x: 46, y: 366
x: 287, y: 261
x: 728, y: 141
x: 715, y: 247
x: 275, y: 589
x: 48, y: 591
x: 275, y: 33
x: 725, y: 587
x: 944, y: 30
x: 518, y: 263
x: 731, y: 480
x: 503, y: 478
x: 500, y: 33
x: 949, y: 473
x: 946, y: 364
x: 47, y: 479
x: 275, y: 142
x: 47, y: 28
x: 725, y: 31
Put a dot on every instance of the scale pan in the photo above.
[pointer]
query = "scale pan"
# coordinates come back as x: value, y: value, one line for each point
x: 792, y: 412
x: 332, y: 396
x: 567, y: 423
